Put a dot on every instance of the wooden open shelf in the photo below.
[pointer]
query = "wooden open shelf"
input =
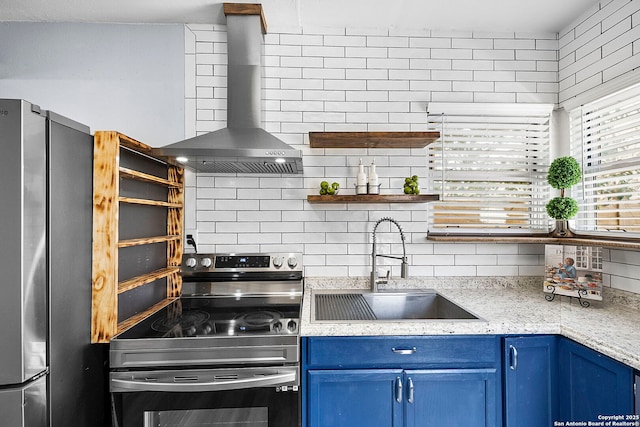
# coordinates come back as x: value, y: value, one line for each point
x: 149, y: 202
x: 374, y: 198
x: 372, y: 139
x: 147, y: 240
x: 110, y: 148
x: 141, y: 176
x: 126, y: 324
x: 143, y: 279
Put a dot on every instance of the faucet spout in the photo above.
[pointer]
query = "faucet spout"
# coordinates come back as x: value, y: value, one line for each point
x: 404, y: 269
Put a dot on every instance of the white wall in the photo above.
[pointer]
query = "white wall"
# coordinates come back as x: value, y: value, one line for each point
x: 599, y: 51
x: 128, y: 78
x: 350, y: 79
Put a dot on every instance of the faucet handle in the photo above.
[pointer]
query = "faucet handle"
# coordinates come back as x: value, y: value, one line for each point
x: 383, y: 279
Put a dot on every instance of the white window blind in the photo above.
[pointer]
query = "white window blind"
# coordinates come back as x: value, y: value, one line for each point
x: 605, y: 140
x: 489, y: 167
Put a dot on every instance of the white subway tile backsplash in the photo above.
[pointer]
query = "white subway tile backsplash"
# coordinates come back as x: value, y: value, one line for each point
x: 504, y: 270
x: 452, y: 271
x: 451, y: 53
x: 255, y: 216
x: 514, y: 44
x: 321, y: 79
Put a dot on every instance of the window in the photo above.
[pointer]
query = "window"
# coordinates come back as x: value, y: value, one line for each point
x: 605, y: 139
x: 489, y: 167
x: 589, y: 258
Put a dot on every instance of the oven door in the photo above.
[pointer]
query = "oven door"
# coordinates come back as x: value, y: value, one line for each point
x: 245, y: 397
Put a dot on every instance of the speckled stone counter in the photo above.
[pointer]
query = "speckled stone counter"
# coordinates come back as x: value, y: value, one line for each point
x: 505, y: 306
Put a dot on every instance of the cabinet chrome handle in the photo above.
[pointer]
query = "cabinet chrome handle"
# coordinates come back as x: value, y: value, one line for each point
x: 513, y: 352
x: 404, y: 350
x: 398, y: 390
x: 410, y: 397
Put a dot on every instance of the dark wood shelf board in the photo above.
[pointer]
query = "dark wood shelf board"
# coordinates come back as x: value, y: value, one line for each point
x: 372, y: 139
x: 374, y: 198
x: 547, y: 240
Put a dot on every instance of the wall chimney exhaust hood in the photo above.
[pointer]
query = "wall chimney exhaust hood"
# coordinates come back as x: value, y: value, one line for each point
x: 243, y: 146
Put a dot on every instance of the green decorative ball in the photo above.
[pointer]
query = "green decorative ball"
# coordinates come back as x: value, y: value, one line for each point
x: 562, y: 208
x: 564, y: 172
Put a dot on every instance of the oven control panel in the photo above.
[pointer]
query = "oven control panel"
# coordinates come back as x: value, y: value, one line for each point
x: 272, y: 262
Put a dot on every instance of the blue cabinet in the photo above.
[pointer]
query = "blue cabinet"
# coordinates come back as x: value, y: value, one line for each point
x: 592, y: 384
x: 349, y: 398
x: 451, y: 397
x: 402, y: 381
x: 530, y: 381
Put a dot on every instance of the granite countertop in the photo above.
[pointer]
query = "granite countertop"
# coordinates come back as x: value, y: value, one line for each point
x: 505, y: 305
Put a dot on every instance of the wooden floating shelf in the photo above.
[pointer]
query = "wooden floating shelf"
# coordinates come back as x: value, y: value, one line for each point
x: 374, y: 198
x: 145, y: 177
x: 542, y: 239
x: 147, y: 240
x: 127, y: 323
x: 136, y: 282
x: 372, y: 139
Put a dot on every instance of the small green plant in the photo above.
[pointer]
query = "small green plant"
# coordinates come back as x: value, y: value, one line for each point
x: 564, y: 172
x: 330, y: 190
x: 411, y: 185
x: 562, y: 208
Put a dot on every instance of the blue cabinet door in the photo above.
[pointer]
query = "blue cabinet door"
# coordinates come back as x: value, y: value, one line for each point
x: 452, y: 398
x: 354, y: 398
x: 592, y: 384
x: 530, y: 376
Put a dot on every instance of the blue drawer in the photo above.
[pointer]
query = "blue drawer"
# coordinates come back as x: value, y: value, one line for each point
x: 455, y: 351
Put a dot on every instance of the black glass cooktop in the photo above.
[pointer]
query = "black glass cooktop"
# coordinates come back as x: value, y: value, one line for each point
x: 223, y: 316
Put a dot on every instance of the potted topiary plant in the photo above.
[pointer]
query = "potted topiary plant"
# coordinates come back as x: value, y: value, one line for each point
x: 564, y: 172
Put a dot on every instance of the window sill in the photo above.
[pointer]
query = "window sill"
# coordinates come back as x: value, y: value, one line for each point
x: 548, y: 240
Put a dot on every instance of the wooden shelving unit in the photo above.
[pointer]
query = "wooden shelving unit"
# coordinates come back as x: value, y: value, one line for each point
x: 372, y: 139
x: 166, y: 187
x: 374, y: 198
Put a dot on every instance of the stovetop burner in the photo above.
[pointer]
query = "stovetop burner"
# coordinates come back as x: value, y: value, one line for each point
x: 186, y: 322
x: 258, y: 319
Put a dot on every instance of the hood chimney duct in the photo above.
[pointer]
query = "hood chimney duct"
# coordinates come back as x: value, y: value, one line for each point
x: 243, y: 146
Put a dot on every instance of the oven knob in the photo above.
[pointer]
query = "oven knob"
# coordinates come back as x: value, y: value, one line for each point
x: 277, y: 327
x: 278, y: 261
x: 191, y: 262
x: 206, y: 262
x: 293, y: 261
x: 291, y: 326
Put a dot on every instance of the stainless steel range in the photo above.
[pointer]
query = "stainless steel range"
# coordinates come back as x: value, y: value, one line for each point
x: 227, y: 352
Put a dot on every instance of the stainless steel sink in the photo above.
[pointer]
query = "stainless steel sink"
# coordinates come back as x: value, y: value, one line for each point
x: 396, y: 306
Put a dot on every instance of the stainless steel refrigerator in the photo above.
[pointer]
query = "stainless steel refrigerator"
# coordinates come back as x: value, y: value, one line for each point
x: 50, y: 373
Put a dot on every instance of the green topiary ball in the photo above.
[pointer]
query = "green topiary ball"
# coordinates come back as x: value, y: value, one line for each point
x: 564, y: 172
x: 562, y: 208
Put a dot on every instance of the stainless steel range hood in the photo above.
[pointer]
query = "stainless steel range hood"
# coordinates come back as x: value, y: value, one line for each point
x: 242, y: 147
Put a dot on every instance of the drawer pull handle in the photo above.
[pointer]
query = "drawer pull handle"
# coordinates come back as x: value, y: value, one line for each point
x: 404, y: 350
x: 514, y: 358
x: 410, y: 398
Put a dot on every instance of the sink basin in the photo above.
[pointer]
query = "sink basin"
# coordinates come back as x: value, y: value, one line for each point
x: 395, y: 306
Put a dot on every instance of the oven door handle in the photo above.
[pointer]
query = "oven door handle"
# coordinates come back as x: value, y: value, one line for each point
x: 187, y: 385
